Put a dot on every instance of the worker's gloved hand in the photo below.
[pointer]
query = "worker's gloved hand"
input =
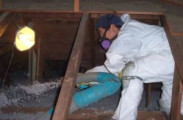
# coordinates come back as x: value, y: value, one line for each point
x: 120, y: 75
x: 84, y: 85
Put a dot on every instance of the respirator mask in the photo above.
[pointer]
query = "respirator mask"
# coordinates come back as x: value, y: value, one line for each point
x: 105, y: 22
x: 105, y: 43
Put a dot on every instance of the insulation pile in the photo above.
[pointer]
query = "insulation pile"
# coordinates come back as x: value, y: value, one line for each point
x: 16, y: 95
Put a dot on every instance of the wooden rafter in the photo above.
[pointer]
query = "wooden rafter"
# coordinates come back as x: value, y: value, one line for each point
x: 176, y: 97
x: 5, y: 20
x: 175, y: 45
x: 76, y: 5
x: 177, y: 3
x: 65, y: 96
x: 1, y: 3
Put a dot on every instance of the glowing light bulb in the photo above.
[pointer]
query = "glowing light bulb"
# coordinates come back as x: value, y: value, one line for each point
x: 25, y: 38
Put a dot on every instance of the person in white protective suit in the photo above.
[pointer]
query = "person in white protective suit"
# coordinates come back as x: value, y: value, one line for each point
x: 135, y: 49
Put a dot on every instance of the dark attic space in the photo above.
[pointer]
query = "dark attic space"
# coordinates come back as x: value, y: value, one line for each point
x: 53, y: 73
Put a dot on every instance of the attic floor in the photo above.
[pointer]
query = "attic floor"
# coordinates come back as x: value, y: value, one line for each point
x: 22, y: 101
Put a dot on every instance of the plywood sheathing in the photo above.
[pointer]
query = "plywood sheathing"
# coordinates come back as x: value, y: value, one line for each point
x: 174, y: 13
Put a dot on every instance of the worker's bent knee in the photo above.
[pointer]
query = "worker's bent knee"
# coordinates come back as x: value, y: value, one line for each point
x: 133, y: 93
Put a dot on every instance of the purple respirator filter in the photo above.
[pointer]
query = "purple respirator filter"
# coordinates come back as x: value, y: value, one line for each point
x: 106, y: 44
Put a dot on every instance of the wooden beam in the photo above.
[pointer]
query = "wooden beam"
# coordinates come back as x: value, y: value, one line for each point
x: 65, y: 96
x: 89, y: 114
x: 32, y: 60
x: 40, y: 61
x: 173, y: 3
x: 148, y: 94
x: 51, y: 14
x: 32, y: 65
x: 96, y: 14
x: 176, y: 48
x: 176, y: 97
x: 176, y: 44
x: 48, y: 13
x: 169, y: 26
x: 76, y: 5
x: 92, y: 43
x: 1, y: 3
x: 23, y: 110
x: 5, y: 20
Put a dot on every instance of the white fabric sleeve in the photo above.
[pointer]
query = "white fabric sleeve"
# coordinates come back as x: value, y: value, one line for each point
x: 114, y: 63
x: 122, y: 50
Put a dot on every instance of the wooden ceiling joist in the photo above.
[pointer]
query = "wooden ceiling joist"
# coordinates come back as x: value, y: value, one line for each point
x: 52, y: 15
x: 76, y: 5
x: 65, y: 96
x: 175, y: 113
x: 1, y: 3
x: 175, y: 45
x: 5, y: 20
x: 173, y: 2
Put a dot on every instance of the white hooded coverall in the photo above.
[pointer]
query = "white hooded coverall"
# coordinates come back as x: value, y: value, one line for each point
x: 147, y: 47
